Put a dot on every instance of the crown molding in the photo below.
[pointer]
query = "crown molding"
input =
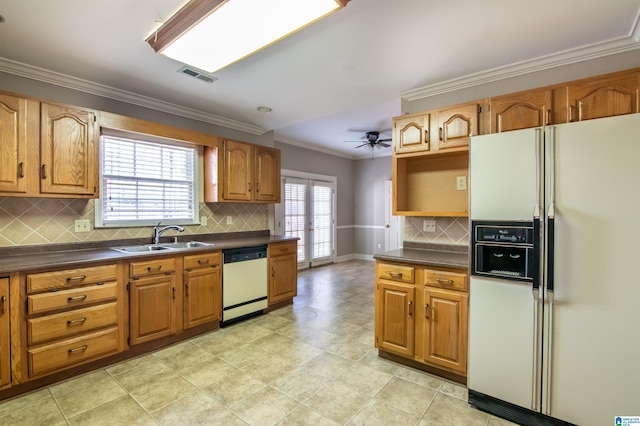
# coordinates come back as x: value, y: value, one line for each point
x: 299, y: 144
x: 566, y: 57
x: 58, y: 79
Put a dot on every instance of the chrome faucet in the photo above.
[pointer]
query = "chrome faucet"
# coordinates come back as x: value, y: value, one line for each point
x: 158, y: 232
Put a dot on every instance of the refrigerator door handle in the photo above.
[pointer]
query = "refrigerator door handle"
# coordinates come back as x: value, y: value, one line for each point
x: 535, y: 272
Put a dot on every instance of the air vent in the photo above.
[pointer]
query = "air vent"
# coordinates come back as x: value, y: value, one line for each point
x: 200, y: 75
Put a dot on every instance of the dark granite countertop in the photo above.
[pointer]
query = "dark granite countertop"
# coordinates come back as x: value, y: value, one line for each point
x: 29, y: 258
x: 444, y: 255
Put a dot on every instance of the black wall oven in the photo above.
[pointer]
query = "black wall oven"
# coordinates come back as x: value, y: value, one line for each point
x: 502, y: 250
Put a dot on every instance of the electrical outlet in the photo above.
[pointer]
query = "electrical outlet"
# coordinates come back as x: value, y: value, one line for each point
x: 379, y: 245
x: 229, y: 220
x: 429, y: 225
x: 203, y: 220
x: 82, y: 225
x: 461, y: 183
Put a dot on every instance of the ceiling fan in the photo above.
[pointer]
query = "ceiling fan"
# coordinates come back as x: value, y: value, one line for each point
x: 371, y: 141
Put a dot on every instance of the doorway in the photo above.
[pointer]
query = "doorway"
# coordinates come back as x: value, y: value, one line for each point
x: 307, y: 211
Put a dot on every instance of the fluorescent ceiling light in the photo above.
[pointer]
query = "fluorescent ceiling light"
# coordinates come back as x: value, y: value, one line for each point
x: 211, y: 34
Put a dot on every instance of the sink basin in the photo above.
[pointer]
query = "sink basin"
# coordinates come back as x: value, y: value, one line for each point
x: 189, y: 244
x: 140, y: 249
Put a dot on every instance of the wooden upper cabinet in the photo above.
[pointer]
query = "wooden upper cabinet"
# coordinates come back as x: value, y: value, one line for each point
x: 267, y: 174
x: 237, y: 171
x: 603, y: 96
x: 456, y: 124
x: 521, y: 110
x: 13, y: 143
x: 411, y: 133
x: 68, y: 150
x: 241, y: 172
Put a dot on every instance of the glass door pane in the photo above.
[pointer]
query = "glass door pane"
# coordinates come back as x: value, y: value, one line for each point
x: 295, y: 214
x: 322, y: 225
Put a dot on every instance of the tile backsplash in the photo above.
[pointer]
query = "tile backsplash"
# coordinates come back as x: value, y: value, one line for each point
x: 27, y: 221
x: 449, y: 230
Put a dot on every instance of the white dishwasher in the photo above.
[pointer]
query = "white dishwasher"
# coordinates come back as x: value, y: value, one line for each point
x: 244, y: 283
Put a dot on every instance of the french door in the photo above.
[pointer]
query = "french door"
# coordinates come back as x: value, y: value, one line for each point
x: 308, y: 213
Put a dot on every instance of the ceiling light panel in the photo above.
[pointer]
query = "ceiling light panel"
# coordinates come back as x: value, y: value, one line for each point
x: 236, y: 29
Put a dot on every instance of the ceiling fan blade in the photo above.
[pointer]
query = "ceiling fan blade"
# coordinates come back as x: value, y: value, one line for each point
x: 364, y: 144
x: 386, y: 145
x: 360, y: 141
x: 384, y: 140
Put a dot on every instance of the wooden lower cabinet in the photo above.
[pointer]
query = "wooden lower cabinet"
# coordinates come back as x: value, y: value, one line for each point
x: 394, y: 318
x: 202, y: 289
x: 5, y: 351
x: 426, y: 320
x: 71, y: 317
x: 153, y: 300
x: 445, y: 328
x: 283, y: 272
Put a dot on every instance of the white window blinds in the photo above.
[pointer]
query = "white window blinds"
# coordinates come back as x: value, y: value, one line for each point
x: 145, y: 182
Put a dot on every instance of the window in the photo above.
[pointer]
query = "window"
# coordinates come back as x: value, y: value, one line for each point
x: 146, y: 182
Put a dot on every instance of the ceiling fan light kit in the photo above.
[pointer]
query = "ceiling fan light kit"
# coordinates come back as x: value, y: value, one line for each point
x: 212, y: 34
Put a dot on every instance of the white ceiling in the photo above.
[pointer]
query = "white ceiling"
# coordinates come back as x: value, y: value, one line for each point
x: 328, y: 83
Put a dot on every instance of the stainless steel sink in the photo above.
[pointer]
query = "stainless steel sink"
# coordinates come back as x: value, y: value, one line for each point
x: 188, y: 244
x: 140, y: 249
x: 155, y: 247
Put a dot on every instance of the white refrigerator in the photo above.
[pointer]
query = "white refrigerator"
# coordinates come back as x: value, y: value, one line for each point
x: 570, y: 353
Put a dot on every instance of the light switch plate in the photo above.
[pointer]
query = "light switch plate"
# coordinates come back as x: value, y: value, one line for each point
x: 229, y: 220
x: 203, y: 220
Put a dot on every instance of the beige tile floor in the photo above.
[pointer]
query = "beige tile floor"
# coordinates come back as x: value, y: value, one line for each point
x: 312, y: 363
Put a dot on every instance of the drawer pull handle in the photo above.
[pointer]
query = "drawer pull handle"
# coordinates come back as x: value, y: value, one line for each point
x: 410, y: 308
x: 80, y: 349
x: 77, y: 298
x: 444, y: 281
x: 76, y: 321
x: 44, y: 171
x: 21, y: 170
x: 186, y: 290
x: 395, y: 274
x: 426, y: 310
x: 3, y: 309
x: 203, y: 261
x: 151, y: 268
x: 284, y: 250
x: 79, y: 278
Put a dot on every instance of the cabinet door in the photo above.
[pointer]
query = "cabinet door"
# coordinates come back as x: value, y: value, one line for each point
x: 202, y: 296
x: 411, y: 134
x: 5, y: 351
x: 445, y: 331
x: 237, y: 171
x: 68, y: 151
x: 603, y: 97
x: 522, y: 110
x: 395, y: 318
x: 456, y: 124
x: 267, y: 173
x: 153, y: 308
x: 283, y: 278
x: 13, y: 143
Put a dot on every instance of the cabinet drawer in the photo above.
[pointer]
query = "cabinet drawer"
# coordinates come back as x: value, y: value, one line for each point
x: 444, y: 279
x: 71, y: 323
x: 47, y: 359
x: 283, y: 248
x: 202, y: 260
x: 151, y: 267
x: 73, y: 298
x: 70, y: 278
x: 393, y: 272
